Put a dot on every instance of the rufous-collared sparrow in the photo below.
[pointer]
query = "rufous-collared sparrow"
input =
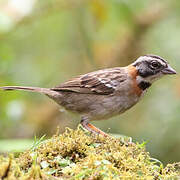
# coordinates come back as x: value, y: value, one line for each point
x: 108, y: 92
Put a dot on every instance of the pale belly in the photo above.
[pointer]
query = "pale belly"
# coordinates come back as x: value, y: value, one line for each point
x: 112, y: 106
x: 96, y: 107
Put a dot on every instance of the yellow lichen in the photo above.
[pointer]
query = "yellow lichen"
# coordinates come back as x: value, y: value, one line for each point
x: 78, y: 155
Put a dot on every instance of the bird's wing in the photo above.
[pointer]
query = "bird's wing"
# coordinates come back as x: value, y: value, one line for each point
x: 103, y: 82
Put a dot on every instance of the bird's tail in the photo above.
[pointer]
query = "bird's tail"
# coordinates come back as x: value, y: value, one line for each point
x: 25, y: 88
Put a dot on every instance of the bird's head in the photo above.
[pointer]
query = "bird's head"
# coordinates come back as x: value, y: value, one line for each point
x: 152, y: 67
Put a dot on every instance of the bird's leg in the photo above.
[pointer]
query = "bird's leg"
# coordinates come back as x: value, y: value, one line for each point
x: 85, y: 123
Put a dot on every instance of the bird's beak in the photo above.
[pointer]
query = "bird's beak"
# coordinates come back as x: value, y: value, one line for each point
x: 169, y: 70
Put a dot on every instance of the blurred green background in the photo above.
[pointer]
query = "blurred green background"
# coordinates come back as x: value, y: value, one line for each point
x: 46, y: 42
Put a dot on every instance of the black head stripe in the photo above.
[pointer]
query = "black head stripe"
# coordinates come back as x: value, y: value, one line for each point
x: 144, y: 85
x: 157, y: 57
x: 145, y: 68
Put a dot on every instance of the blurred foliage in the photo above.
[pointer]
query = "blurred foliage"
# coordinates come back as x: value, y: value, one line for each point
x: 15, y: 145
x: 60, y: 39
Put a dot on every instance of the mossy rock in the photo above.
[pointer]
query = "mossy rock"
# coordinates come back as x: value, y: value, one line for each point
x: 77, y: 154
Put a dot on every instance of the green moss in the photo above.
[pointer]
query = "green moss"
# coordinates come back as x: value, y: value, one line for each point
x: 78, y: 155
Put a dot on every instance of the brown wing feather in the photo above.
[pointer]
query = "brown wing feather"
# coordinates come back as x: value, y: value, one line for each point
x: 98, y: 82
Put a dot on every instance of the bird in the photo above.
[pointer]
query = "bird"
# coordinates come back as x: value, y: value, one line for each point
x: 108, y: 92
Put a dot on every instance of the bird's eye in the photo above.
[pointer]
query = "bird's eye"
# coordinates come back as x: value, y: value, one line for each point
x: 155, y: 65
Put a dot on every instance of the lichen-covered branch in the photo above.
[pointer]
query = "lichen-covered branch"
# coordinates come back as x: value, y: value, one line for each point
x: 77, y: 155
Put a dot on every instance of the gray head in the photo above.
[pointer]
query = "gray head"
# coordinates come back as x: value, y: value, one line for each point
x: 152, y: 67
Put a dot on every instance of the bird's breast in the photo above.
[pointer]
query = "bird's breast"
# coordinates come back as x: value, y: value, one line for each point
x: 135, y: 88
